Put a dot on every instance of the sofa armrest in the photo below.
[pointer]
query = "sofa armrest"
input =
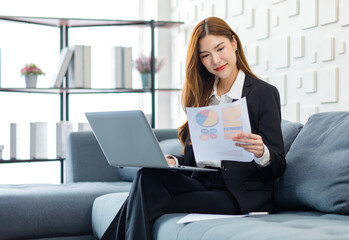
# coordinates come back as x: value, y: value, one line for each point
x: 85, y: 160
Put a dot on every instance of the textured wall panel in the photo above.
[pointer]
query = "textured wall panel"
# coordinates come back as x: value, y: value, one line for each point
x: 341, y: 47
x: 220, y: 8
x: 343, y: 12
x: 328, y: 11
x: 280, y: 81
x: 328, y: 85
x: 306, y: 112
x: 262, y: 23
x: 281, y: 52
x: 277, y: 1
x: 235, y: 7
x: 309, y: 13
x: 291, y: 112
x: 309, y: 81
x: 249, y: 18
x: 293, y: 8
x: 326, y: 50
x: 252, y: 55
x: 297, y: 46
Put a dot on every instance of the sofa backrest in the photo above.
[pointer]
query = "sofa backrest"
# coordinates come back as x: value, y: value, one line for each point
x: 86, y: 162
x: 317, y: 170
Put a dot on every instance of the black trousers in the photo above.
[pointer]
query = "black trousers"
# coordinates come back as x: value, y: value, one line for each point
x: 155, y: 192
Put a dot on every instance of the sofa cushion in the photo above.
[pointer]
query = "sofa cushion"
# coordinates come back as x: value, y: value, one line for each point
x: 284, y: 225
x: 104, y: 210
x: 317, y: 171
x: 36, y: 211
x: 290, y: 131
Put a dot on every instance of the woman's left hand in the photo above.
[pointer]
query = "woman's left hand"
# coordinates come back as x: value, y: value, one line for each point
x: 252, y: 143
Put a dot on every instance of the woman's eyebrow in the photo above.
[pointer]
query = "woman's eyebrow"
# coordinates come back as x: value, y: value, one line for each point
x: 213, y: 48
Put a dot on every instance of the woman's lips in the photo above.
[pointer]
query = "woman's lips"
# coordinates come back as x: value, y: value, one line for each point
x: 220, y: 68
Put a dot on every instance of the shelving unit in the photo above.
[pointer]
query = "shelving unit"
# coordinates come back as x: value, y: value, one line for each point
x: 64, y: 24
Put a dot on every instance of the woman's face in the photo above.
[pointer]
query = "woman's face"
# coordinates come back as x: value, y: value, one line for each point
x: 217, y: 54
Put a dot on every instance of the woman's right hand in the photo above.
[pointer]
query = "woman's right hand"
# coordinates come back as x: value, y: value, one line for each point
x: 170, y: 160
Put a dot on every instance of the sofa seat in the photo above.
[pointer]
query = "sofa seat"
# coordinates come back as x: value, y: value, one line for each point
x: 300, y: 225
x: 285, y: 225
x: 38, y: 211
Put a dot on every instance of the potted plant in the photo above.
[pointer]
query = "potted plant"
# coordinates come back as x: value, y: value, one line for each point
x: 31, y: 72
x: 142, y: 64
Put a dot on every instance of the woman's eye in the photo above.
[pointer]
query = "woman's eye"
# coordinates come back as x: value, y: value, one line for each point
x: 204, y: 56
x: 220, y: 49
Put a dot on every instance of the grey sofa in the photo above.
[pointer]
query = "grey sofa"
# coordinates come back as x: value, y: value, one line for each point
x: 63, y: 211
x: 312, y: 196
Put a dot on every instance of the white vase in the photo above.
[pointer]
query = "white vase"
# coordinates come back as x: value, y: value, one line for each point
x: 30, y: 80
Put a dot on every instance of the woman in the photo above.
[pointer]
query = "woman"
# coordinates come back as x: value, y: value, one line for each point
x: 216, y: 72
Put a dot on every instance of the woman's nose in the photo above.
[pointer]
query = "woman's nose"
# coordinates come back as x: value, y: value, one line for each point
x: 215, y: 58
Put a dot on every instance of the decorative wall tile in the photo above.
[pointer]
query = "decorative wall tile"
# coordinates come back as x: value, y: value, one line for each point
x: 275, y: 21
x: 220, y: 8
x: 313, y: 57
x: 280, y: 81
x: 235, y: 7
x: 328, y: 11
x: 293, y: 8
x: 277, y: 1
x: 343, y: 12
x: 297, y: 46
x: 299, y: 81
x: 290, y: 112
x: 327, y: 49
x: 306, y: 112
x: 280, y: 52
x: 252, y: 55
x: 249, y: 18
x: 265, y: 64
x: 262, y: 23
x: 309, y: 13
x: 328, y: 85
x: 309, y: 81
x: 341, y: 47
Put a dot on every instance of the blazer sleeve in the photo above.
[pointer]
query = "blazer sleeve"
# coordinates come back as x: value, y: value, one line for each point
x: 268, y: 126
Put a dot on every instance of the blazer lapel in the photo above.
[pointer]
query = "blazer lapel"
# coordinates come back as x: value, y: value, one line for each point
x: 247, y: 86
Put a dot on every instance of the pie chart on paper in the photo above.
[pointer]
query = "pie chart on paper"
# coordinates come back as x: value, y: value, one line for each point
x: 207, y: 118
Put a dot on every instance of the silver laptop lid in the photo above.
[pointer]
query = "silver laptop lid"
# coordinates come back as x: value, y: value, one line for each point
x: 127, y: 139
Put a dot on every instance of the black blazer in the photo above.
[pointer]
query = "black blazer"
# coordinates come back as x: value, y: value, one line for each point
x: 251, y: 184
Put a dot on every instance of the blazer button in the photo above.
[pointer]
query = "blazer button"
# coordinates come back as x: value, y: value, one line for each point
x: 224, y: 168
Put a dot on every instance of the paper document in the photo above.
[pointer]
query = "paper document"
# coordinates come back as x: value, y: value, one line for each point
x: 212, y: 129
x: 194, y: 217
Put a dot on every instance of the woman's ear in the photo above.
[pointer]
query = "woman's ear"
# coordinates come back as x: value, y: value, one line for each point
x: 234, y: 43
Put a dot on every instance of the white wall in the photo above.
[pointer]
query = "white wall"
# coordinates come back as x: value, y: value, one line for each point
x: 301, y: 47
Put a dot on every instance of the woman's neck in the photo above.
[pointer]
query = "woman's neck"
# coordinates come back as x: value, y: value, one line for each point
x: 224, y: 85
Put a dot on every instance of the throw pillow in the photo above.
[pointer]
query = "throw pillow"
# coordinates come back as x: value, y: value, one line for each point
x: 317, y: 170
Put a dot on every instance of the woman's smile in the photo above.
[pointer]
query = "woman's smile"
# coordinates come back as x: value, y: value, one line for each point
x: 221, y: 68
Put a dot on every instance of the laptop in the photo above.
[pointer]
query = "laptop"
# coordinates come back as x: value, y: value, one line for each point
x: 127, y: 140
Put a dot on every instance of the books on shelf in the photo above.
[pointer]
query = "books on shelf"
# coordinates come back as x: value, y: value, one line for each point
x: 38, y: 140
x: 84, y: 126
x: 121, y: 67
x: 14, y: 140
x: 79, y: 71
x: 62, y: 130
x: 62, y: 67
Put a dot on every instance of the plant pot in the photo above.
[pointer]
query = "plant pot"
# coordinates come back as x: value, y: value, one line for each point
x: 30, y: 80
x: 146, y: 78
